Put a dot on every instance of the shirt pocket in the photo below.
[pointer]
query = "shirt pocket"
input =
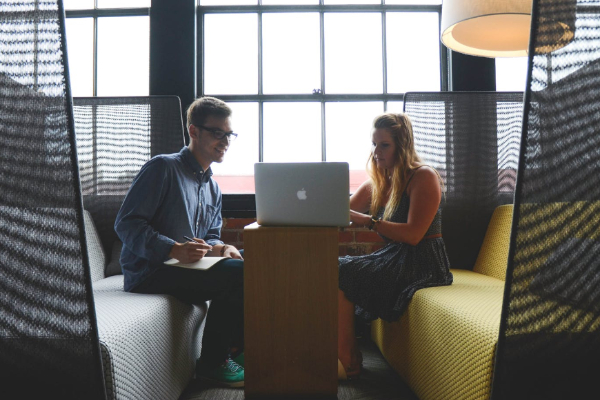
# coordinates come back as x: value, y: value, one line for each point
x: 209, y: 216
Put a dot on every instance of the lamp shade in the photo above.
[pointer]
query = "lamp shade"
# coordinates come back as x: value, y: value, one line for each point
x: 488, y: 28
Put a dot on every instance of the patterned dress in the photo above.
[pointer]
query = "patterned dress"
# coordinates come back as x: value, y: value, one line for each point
x: 381, y: 284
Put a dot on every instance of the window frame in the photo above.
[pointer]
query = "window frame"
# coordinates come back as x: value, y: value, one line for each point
x: 321, y: 97
x: 244, y: 205
x: 96, y: 13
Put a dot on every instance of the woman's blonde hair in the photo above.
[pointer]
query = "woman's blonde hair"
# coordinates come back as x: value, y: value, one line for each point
x: 394, y: 181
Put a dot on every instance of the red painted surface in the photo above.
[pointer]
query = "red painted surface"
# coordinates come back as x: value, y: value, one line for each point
x: 244, y: 184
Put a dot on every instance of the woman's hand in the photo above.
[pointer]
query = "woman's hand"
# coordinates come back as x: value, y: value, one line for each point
x: 359, y: 219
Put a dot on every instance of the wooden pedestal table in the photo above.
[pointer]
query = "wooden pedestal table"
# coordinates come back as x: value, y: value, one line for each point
x: 290, y: 311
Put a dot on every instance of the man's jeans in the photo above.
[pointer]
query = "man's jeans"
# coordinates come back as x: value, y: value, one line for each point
x: 223, y: 284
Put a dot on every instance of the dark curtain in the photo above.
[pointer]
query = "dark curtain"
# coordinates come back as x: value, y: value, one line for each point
x: 472, y: 139
x: 549, y: 343
x: 48, y: 338
x: 116, y: 136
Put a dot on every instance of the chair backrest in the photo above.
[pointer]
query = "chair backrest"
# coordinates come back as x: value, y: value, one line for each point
x: 549, y: 342
x: 472, y: 139
x: 493, y: 255
x: 115, y: 137
x: 48, y: 336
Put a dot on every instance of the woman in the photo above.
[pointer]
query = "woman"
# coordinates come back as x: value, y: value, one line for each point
x: 401, y: 202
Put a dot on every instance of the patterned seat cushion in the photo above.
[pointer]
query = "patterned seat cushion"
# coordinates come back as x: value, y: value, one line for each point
x: 149, y: 343
x: 443, y: 347
x: 94, y: 245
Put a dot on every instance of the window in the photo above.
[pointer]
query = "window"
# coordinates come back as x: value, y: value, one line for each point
x: 511, y: 74
x: 305, y: 78
x: 108, y: 45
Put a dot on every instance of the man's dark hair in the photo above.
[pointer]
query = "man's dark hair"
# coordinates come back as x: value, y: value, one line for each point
x: 204, y: 107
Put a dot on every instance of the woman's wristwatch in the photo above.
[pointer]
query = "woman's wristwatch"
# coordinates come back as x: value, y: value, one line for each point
x: 374, y: 222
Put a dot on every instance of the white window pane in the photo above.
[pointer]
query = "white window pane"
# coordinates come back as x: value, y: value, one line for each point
x: 413, y: 47
x: 413, y: 1
x: 80, y: 49
x: 395, y: 106
x: 123, y: 3
x: 289, y: 2
x: 230, y: 54
x: 352, y: 1
x: 123, y: 56
x: 353, y: 53
x: 348, y: 130
x: 292, y: 132
x: 511, y: 74
x: 227, y: 2
x: 243, y: 151
x: 78, y: 4
x: 291, y: 51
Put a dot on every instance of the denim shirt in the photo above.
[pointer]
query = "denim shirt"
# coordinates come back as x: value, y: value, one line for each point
x: 171, y: 197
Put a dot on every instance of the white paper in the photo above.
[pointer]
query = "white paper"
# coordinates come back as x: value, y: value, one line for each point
x: 203, y: 264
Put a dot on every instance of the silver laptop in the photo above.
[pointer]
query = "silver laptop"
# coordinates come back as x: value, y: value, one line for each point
x: 302, y: 194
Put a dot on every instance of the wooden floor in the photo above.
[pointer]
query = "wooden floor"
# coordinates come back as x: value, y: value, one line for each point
x: 377, y: 382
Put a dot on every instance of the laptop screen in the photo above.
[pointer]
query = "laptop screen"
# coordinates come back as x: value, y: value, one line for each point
x: 302, y: 194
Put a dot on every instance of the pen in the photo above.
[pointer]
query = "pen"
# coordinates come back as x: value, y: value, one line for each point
x: 189, y: 239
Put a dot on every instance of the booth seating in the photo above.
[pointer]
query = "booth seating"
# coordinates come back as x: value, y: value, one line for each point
x: 149, y: 343
x: 443, y: 347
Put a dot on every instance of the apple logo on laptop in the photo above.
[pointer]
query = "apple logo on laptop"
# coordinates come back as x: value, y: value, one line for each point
x: 301, y: 194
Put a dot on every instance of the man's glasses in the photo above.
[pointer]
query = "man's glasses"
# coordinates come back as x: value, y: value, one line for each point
x: 219, y: 134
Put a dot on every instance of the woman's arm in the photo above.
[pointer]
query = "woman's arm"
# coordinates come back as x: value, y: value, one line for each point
x: 361, y: 199
x: 360, y: 202
x: 425, y: 196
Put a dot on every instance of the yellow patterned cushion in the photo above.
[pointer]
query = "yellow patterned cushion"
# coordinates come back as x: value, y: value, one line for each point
x: 544, y: 227
x: 443, y: 346
x: 493, y: 255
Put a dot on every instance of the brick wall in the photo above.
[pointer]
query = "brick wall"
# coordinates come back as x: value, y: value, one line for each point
x: 353, y: 241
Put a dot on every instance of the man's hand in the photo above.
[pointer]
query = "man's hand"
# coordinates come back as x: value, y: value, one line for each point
x: 190, y: 252
x: 231, y: 252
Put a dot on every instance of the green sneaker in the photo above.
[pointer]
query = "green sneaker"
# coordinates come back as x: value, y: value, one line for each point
x: 240, y: 360
x: 229, y: 374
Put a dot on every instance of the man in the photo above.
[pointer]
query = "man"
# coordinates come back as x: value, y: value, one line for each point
x: 174, y: 196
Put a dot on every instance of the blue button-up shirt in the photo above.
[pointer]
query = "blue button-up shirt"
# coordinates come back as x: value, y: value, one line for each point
x: 170, y: 197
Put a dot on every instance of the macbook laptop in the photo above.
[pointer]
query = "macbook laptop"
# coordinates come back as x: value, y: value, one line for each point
x: 302, y: 194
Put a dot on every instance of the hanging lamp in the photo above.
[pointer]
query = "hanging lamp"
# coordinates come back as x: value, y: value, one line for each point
x: 497, y: 28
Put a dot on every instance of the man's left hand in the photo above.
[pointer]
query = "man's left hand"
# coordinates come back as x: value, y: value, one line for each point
x: 232, y: 252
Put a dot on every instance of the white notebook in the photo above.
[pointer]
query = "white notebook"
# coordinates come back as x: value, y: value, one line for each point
x: 202, y: 264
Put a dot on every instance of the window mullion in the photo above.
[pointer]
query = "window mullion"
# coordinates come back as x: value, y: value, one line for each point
x: 261, y: 155
x: 260, y: 88
x: 200, y: 54
x: 384, y: 54
x: 260, y: 54
x: 444, y: 52
x: 95, y: 58
x: 323, y: 137
x: 322, y: 48
x: 322, y: 68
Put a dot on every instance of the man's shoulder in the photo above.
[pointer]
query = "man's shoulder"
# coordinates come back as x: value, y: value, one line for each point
x: 165, y: 160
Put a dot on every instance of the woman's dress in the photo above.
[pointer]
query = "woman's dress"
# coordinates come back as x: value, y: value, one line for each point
x: 381, y: 284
